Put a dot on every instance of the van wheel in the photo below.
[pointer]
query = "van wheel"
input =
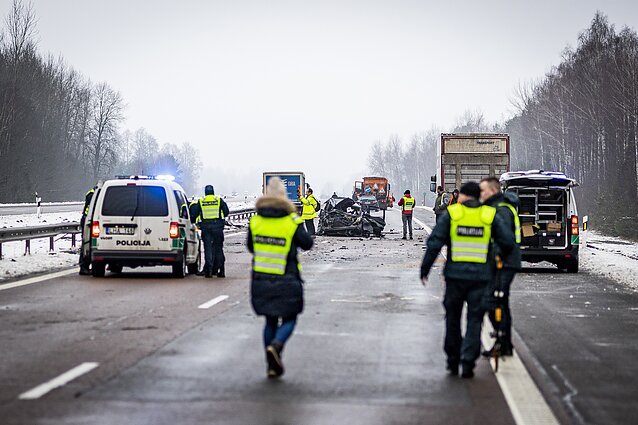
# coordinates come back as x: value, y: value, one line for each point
x: 179, y: 268
x: 115, y: 268
x: 197, y: 265
x: 572, y: 266
x: 98, y: 268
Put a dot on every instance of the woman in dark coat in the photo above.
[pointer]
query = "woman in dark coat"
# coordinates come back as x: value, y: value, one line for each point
x: 274, y: 236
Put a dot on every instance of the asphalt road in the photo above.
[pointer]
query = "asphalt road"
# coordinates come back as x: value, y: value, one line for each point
x: 578, y: 335
x: 367, y: 349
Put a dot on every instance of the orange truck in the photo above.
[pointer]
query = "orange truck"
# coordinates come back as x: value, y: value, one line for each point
x: 379, y: 187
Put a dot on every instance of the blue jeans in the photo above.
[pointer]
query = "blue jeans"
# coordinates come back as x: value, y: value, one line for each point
x: 278, y: 332
x: 459, y: 349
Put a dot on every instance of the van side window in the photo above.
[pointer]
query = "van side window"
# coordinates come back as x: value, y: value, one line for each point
x: 182, y: 204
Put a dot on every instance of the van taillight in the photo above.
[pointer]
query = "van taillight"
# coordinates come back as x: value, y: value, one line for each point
x: 174, y: 230
x: 575, y: 225
x: 95, y: 229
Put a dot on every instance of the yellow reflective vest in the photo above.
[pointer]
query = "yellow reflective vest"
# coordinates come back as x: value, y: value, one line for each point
x: 211, y: 207
x: 470, y: 233
x: 408, y: 203
x: 517, y: 220
x: 308, y: 204
x: 272, y: 241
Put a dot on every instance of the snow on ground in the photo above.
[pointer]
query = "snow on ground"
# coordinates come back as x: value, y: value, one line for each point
x: 14, y: 263
x: 611, y: 257
x: 25, y: 220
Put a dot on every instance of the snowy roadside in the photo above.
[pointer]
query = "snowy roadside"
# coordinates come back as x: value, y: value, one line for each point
x: 610, y: 257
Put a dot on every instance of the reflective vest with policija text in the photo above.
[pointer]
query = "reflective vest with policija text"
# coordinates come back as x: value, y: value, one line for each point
x: 517, y: 220
x: 408, y: 204
x: 470, y: 233
x: 272, y: 240
x: 211, y: 207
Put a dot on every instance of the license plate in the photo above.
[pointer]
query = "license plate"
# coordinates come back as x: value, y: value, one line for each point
x: 120, y: 230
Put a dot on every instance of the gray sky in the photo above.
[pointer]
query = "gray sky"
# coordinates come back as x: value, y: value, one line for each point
x: 309, y: 85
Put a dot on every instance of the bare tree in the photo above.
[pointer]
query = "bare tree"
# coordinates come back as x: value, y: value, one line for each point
x: 107, y: 114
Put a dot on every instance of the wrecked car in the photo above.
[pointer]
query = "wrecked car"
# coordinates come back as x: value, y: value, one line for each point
x: 345, y: 217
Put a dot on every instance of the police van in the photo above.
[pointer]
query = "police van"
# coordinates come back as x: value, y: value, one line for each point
x: 549, y: 216
x: 136, y: 221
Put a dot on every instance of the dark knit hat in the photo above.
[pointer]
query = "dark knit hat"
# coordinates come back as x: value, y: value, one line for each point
x: 209, y: 190
x: 407, y: 192
x: 471, y: 189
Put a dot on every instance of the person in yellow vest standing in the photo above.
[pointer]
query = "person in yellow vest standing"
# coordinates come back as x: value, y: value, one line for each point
x: 467, y: 229
x: 274, y: 236
x: 85, y: 261
x: 506, y: 205
x: 407, y: 203
x: 309, y: 207
x: 211, y: 212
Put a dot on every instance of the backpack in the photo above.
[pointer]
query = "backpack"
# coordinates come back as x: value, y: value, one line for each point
x: 318, y: 208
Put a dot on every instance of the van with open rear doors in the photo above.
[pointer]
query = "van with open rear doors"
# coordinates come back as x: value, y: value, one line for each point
x: 549, y: 217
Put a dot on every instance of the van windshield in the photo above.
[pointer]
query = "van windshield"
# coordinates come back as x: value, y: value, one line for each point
x: 123, y: 200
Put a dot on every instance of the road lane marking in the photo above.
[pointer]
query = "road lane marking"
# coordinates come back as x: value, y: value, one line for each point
x: 527, y: 404
x: 59, y: 381
x: 422, y: 224
x: 230, y: 235
x: 37, y: 279
x: 216, y: 300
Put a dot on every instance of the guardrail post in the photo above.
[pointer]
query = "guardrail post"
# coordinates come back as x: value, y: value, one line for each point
x: 0, y: 251
x: 27, y: 247
x: 73, y: 240
x: 51, y: 247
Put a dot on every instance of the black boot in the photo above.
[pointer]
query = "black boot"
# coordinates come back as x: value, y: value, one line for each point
x: 221, y: 272
x: 453, y: 369
x: 273, y: 357
x: 468, y: 371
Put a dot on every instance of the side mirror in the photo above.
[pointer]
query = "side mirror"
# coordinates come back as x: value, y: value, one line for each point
x: 433, y: 187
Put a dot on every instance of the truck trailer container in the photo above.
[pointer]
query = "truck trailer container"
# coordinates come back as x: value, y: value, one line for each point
x: 293, y: 181
x: 464, y: 157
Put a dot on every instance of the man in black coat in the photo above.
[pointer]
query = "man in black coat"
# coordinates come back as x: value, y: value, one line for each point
x: 506, y: 205
x: 466, y: 279
x: 274, y: 236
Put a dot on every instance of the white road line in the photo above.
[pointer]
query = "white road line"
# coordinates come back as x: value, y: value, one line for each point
x: 230, y: 235
x: 216, y: 300
x: 527, y: 404
x: 37, y: 279
x: 61, y: 380
x: 422, y: 224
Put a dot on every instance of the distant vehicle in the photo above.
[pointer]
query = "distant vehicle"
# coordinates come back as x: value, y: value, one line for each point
x: 141, y: 221
x: 358, y: 190
x: 549, y: 217
x: 464, y: 157
x: 369, y: 203
x: 293, y: 181
x: 379, y: 187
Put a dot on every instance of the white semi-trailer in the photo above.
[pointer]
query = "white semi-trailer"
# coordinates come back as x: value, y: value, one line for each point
x: 464, y: 157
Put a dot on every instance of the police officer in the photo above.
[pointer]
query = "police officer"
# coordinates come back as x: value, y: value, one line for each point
x: 274, y: 236
x: 467, y: 229
x: 308, y: 210
x: 407, y: 203
x: 506, y: 207
x: 85, y: 261
x: 441, y: 202
x: 211, y: 212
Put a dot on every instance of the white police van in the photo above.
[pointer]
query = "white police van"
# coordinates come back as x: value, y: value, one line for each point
x: 138, y: 221
x: 549, y: 216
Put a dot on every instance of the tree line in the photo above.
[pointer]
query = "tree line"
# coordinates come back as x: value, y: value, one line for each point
x: 581, y: 118
x: 60, y: 132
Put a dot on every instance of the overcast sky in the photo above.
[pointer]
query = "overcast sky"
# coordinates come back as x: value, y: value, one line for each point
x: 309, y: 85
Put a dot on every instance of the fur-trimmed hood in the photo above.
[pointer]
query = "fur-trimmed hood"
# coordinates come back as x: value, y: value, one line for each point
x: 274, y: 206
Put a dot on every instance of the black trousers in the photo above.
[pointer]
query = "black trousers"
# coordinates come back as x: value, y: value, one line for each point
x: 213, y: 239
x: 505, y: 277
x: 310, y: 226
x: 459, y: 349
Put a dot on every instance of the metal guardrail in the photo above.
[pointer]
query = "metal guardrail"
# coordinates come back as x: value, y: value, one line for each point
x: 27, y: 234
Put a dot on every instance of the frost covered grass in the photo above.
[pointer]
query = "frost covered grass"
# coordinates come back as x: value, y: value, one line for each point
x: 611, y: 257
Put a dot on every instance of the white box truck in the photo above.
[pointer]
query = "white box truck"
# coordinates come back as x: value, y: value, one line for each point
x: 463, y: 157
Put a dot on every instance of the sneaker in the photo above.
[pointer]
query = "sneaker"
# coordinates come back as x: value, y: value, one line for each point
x: 273, y: 357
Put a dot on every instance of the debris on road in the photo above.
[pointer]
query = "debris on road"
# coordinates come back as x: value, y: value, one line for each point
x: 344, y: 217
